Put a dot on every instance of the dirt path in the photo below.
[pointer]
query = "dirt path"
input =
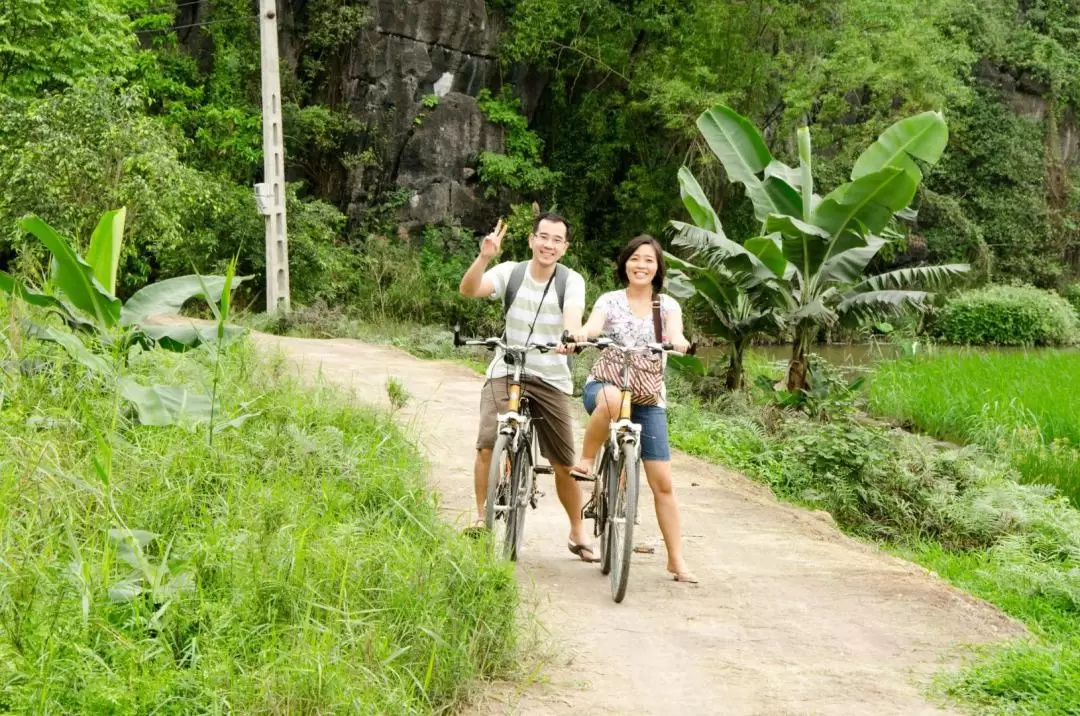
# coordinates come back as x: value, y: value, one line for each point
x: 791, y: 617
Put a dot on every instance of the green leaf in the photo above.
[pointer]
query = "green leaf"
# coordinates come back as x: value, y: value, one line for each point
x: 226, y: 297
x: 865, y: 205
x: 716, y: 250
x: 166, y: 297
x: 689, y: 365
x: 104, y: 252
x: 847, y: 263
x: 923, y: 136
x: 872, y: 305
x: 165, y: 404
x: 789, y: 175
x: 791, y: 227
x: 936, y: 277
x: 695, y: 201
x: 768, y: 249
x: 185, y: 336
x: 13, y: 287
x: 74, y: 347
x: 783, y: 196
x: 74, y: 276
x: 742, y: 151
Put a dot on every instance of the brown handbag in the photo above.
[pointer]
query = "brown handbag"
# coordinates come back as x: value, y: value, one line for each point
x: 646, y: 369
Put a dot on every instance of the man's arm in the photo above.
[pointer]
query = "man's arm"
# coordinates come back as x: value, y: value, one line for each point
x: 473, y: 283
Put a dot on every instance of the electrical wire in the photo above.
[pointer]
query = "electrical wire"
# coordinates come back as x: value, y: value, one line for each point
x: 165, y: 8
x: 200, y: 24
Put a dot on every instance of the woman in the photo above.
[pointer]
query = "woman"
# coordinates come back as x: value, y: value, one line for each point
x: 627, y: 318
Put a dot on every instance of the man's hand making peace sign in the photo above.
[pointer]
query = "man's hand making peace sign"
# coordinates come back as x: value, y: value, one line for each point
x: 492, y: 243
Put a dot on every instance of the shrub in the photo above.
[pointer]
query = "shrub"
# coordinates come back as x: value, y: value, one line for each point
x: 1007, y: 316
x: 1072, y: 295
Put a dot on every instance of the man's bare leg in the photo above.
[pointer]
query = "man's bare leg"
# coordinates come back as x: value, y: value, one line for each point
x: 572, y: 499
x: 481, y: 469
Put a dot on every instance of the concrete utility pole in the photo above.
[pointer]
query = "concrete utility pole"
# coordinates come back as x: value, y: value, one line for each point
x: 270, y: 195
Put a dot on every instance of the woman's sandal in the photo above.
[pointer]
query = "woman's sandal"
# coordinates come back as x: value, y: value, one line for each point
x: 687, y: 577
x: 581, y: 549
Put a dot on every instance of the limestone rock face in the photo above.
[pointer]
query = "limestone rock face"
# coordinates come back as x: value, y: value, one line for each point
x: 412, y: 52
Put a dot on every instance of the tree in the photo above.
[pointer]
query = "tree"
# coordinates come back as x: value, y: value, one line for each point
x: 813, y: 250
x: 51, y: 44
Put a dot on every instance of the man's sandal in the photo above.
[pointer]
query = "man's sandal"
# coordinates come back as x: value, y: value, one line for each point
x: 581, y: 549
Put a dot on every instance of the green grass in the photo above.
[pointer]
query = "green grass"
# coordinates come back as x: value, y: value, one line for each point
x: 1020, y: 403
x: 1040, y: 675
x: 955, y: 511
x: 296, y: 566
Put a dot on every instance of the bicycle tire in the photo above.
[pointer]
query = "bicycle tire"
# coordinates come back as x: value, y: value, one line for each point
x: 520, y: 489
x: 608, y: 477
x: 623, y: 508
x: 498, y: 491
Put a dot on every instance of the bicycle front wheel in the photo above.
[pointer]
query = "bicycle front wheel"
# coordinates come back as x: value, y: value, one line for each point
x: 622, y: 509
x: 498, y: 507
x: 520, y: 491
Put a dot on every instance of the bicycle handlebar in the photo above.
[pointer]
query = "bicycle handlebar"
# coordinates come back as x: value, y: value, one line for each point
x: 493, y: 343
x: 604, y: 342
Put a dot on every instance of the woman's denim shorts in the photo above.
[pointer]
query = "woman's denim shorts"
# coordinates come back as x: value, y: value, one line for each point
x: 651, y: 418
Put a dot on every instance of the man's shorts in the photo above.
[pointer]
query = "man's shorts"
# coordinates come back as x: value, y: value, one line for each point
x: 554, y: 429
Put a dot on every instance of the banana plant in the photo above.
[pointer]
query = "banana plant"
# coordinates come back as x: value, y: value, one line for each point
x: 83, y: 298
x: 815, y: 250
x: 85, y: 289
x: 734, y: 305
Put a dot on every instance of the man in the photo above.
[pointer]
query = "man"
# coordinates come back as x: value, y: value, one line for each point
x: 537, y: 315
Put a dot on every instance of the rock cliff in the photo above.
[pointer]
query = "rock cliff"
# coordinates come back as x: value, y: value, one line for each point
x: 411, y: 52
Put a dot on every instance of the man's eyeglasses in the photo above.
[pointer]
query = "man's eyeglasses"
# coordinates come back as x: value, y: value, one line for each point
x: 553, y: 240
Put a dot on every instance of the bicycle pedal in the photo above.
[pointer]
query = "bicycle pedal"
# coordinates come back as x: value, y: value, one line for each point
x: 543, y: 470
x: 583, y: 478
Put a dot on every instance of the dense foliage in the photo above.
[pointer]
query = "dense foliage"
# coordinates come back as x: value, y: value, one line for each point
x: 1008, y: 316
x: 168, y: 125
x: 628, y: 80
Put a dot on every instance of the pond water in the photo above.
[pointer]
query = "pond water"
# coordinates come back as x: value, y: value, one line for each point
x: 852, y: 357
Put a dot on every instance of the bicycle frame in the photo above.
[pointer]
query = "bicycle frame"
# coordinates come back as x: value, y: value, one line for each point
x: 515, y: 421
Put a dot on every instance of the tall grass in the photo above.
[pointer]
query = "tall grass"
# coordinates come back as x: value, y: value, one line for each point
x: 1023, y: 404
x: 297, y: 565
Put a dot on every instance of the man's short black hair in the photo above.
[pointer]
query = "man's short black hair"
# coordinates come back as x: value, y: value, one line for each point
x: 551, y: 216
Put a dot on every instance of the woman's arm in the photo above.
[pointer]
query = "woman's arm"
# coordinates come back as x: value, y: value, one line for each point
x: 675, y: 331
x: 595, y: 325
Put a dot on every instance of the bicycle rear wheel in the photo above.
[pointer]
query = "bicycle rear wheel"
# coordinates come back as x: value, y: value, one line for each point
x: 497, y: 509
x: 622, y: 508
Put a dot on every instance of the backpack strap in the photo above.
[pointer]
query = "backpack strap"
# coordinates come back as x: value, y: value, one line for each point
x: 562, y: 275
x: 513, y: 284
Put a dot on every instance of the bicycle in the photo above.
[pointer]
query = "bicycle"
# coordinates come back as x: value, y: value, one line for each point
x: 512, y: 477
x: 616, y: 477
